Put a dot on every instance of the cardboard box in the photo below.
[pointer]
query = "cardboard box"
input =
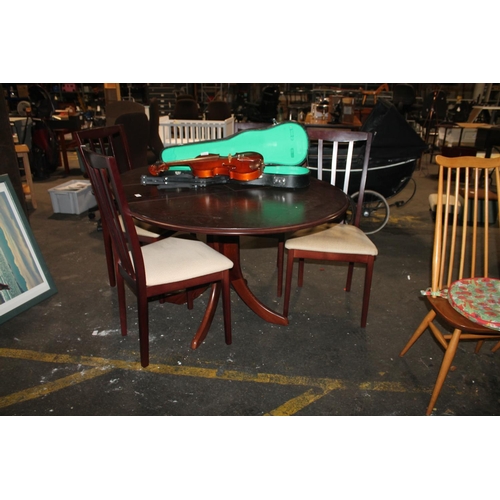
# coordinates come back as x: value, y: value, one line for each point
x: 73, y: 197
x: 22, y: 92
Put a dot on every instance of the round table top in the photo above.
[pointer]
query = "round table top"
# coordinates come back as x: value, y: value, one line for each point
x: 234, y: 208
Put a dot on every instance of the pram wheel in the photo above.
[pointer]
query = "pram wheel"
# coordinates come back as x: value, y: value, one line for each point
x: 375, y: 213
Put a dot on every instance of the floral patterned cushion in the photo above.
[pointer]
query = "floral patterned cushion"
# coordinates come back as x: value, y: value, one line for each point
x: 478, y: 299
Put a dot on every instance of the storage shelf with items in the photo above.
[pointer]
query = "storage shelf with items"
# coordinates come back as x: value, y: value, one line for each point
x: 166, y: 95
x: 77, y: 95
x: 136, y: 92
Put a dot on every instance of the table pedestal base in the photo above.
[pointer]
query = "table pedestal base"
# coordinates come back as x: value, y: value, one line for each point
x: 207, y: 318
x: 230, y: 247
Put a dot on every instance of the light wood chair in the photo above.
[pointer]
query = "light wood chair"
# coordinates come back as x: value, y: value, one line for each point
x: 461, y: 250
x: 157, y: 269
x: 344, y: 242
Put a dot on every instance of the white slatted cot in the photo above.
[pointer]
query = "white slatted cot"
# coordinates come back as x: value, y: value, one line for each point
x: 174, y: 132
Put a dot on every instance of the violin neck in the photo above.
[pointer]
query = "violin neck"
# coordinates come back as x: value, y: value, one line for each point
x: 198, y: 159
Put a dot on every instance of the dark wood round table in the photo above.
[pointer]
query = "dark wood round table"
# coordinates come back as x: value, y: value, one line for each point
x: 226, y: 211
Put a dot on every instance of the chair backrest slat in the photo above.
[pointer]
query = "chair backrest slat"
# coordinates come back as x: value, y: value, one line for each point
x: 348, y: 165
x: 110, y: 140
x: 105, y: 177
x: 465, y: 225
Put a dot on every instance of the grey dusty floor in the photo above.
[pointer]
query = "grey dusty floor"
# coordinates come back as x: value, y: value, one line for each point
x: 65, y: 356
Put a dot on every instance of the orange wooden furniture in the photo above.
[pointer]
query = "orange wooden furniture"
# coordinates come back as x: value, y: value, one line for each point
x: 461, y: 250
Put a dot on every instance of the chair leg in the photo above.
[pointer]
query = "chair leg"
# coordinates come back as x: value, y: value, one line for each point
x: 122, y: 306
x: 350, y: 269
x: 300, y: 279
x: 143, y: 317
x: 226, y: 307
x: 438, y: 335
x: 445, y: 368
x: 366, y: 292
x: 478, y: 346
x: 495, y: 347
x: 418, y: 332
x: 288, y: 282
x: 108, y: 250
x: 207, y: 317
x: 281, y: 257
x: 189, y: 299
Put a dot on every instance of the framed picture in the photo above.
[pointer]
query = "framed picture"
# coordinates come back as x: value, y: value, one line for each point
x: 24, y: 278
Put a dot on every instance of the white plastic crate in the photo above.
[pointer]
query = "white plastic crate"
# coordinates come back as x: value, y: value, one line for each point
x: 73, y: 197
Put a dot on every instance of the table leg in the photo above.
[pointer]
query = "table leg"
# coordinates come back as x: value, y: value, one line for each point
x: 230, y: 247
x: 207, y: 317
x: 64, y: 151
x: 22, y: 152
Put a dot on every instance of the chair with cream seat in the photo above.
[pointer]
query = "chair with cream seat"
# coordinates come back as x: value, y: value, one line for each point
x: 158, y: 269
x: 344, y: 241
x: 112, y: 141
x: 464, y: 250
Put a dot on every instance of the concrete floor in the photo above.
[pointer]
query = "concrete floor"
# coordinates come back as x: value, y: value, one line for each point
x: 65, y: 356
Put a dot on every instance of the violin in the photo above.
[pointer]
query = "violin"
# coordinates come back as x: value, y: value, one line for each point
x: 240, y: 167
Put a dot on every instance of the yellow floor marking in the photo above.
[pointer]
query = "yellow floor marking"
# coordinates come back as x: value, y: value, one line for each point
x: 382, y: 386
x: 292, y: 406
x: 186, y: 371
x: 43, y: 390
x: 318, y: 387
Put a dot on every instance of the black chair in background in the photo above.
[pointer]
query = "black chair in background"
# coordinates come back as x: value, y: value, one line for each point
x: 155, y: 144
x: 403, y: 97
x: 186, y: 109
x: 114, y: 109
x: 136, y: 127
x: 218, y: 110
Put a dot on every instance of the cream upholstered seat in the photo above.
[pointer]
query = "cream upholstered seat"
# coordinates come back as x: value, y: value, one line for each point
x: 338, y: 238
x: 192, y: 258
x: 159, y: 269
x: 344, y: 242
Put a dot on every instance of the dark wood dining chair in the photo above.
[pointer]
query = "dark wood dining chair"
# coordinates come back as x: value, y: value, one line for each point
x: 464, y: 247
x: 344, y: 241
x: 157, y: 269
x: 112, y: 141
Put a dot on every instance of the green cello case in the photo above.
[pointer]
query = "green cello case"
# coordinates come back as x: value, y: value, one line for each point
x: 284, y: 147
